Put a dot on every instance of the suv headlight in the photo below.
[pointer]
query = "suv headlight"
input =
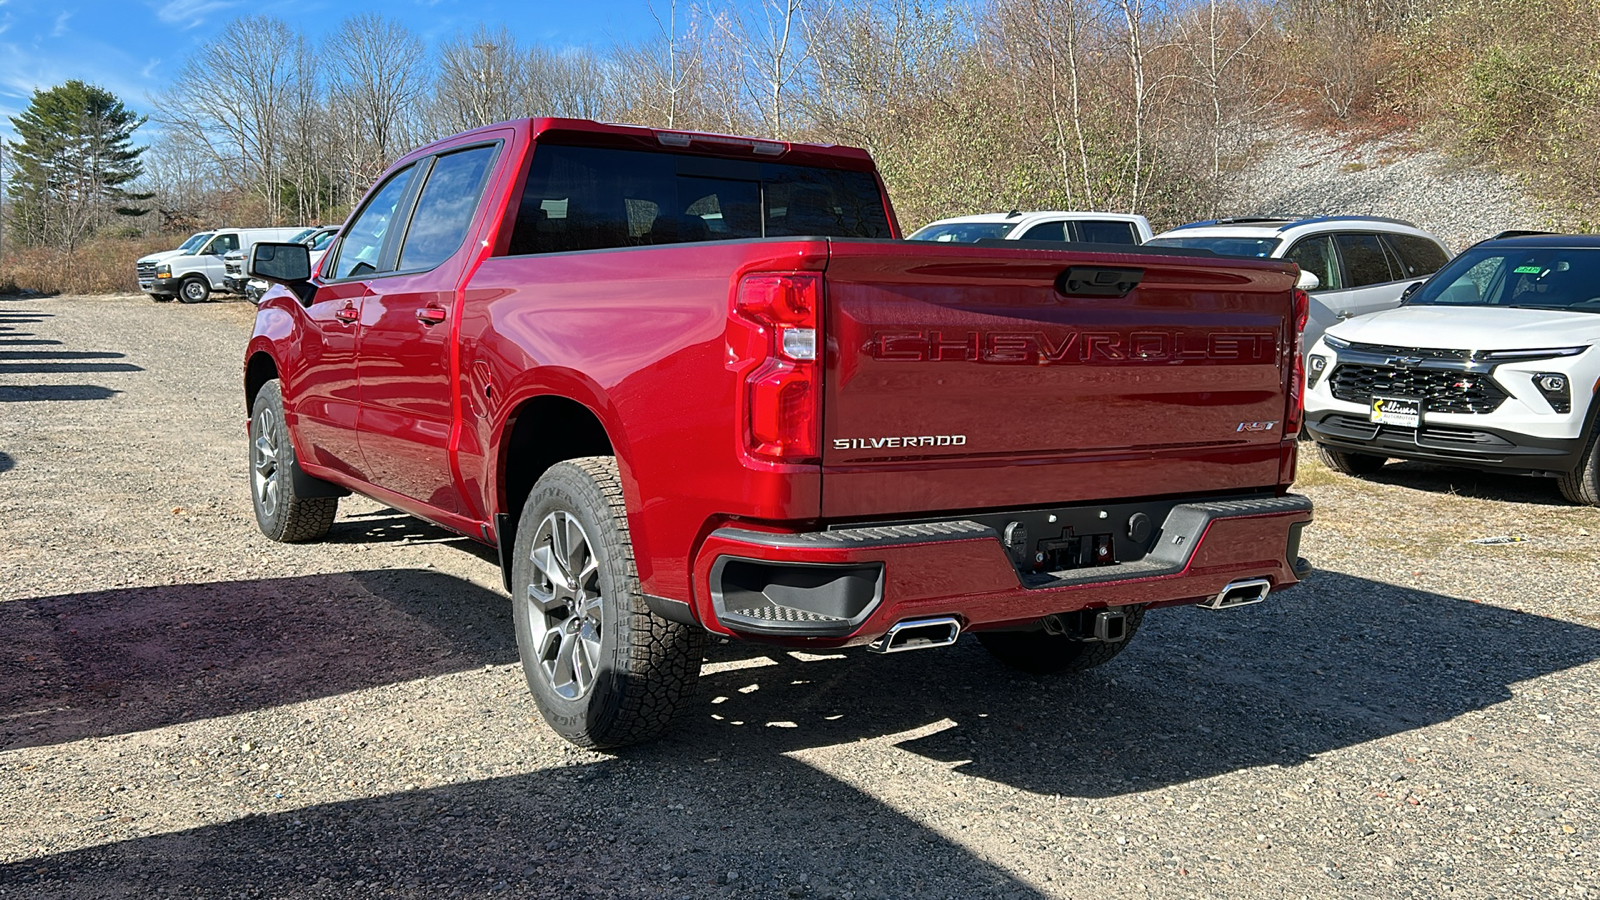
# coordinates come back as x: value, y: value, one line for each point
x: 1556, y: 388
x: 1316, y: 365
x: 164, y: 271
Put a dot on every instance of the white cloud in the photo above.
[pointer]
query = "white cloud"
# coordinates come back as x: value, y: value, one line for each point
x: 190, y: 13
x: 61, y: 24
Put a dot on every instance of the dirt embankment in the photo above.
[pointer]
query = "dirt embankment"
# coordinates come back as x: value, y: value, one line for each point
x: 1394, y: 175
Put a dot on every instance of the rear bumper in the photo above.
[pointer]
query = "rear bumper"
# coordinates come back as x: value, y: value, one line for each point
x: 849, y: 586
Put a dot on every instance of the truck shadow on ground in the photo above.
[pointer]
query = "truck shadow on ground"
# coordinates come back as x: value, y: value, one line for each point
x: 1437, y: 479
x: 115, y: 662
x: 1338, y: 661
x: 618, y: 830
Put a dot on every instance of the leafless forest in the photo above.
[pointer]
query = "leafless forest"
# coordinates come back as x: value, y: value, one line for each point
x: 967, y: 105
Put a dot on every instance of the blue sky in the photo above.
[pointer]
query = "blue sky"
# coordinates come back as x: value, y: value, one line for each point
x: 132, y: 48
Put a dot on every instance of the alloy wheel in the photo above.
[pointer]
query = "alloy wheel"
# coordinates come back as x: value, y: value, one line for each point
x: 566, y: 608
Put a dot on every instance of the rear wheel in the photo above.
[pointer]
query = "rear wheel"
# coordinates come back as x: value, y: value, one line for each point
x: 194, y: 290
x: 1042, y: 653
x: 603, y: 669
x: 1583, y: 485
x: 1349, y: 463
x: 282, y: 514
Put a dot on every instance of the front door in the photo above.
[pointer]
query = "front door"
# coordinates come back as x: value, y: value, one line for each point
x: 408, y: 324
x: 324, y: 390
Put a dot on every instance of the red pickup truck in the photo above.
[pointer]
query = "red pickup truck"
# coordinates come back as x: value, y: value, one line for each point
x: 694, y: 384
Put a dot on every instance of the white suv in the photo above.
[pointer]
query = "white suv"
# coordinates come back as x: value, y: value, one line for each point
x: 1493, y: 364
x: 1362, y: 264
x: 1085, y: 227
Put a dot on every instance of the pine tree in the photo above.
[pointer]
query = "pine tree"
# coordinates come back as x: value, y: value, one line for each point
x: 70, y: 166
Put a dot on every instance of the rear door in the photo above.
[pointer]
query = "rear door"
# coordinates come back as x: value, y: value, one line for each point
x: 966, y: 378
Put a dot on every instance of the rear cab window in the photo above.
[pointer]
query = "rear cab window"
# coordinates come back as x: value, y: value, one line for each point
x: 594, y: 198
x: 1103, y: 231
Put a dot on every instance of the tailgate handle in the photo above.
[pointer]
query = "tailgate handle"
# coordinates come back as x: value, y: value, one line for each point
x: 1098, y: 281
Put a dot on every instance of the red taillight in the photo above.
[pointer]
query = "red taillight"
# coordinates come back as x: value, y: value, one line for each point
x: 1296, y: 411
x: 774, y: 341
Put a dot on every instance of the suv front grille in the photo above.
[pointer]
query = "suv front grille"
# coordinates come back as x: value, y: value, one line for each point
x: 146, y: 270
x: 1414, y: 352
x: 1441, y: 390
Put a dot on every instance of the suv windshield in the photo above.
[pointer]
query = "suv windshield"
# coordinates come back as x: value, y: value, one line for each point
x: 195, y: 241
x: 963, y: 232
x: 1223, y: 246
x: 1518, y: 277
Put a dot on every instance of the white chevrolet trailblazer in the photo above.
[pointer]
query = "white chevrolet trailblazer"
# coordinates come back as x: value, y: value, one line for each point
x: 1493, y: 364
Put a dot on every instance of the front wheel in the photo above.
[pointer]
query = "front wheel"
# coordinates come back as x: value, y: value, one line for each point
x: 1042, y: 653
x: 195, y: 290
x: 1583, y: 484
x: 604, y: 671
x: 281, y: 512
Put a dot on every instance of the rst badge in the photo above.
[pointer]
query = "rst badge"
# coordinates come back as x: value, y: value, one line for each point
x: 1256, y: 426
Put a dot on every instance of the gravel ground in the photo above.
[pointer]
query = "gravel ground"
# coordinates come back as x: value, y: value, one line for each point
x: 1315, y: 174
x: 187, y: 709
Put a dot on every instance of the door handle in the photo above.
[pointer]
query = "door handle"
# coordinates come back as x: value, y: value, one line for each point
x: 430, y: 315
x: 347, y: 314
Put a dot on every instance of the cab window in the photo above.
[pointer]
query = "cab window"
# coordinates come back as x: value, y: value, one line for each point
x: 445, y: 208
x: 1365, y: 261
x: 360, y: 251
x: 1315, y: 255
x: 1046, y: 231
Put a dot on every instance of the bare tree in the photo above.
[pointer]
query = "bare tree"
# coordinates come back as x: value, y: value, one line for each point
x: 379, y: 76
x: 481, y: 79
x: 233, y: 105
x: 768, y: 40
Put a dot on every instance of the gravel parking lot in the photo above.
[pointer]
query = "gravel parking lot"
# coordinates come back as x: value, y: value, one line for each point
x: 187, y: 709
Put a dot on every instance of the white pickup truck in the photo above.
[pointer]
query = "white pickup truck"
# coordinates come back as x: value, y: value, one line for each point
x: 194, y: 270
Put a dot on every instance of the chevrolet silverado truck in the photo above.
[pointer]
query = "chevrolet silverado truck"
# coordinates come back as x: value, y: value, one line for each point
x: 695, y: 385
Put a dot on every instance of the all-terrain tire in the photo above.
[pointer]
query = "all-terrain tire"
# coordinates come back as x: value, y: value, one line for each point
x: 1583, y: 484
x: 603, y: 669
x: 281, y: 513
x: 1042, y: 653
x: 1348, y: 463
x: 194, y: 290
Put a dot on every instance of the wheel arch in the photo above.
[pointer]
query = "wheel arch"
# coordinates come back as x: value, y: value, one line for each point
x: 540, y: 432
x: 258, y: 370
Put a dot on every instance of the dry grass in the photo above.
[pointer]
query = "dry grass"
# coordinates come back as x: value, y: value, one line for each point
x: 100, y: 266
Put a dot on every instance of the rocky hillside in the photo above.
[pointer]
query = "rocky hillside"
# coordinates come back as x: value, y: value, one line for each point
x: 1300, y: 173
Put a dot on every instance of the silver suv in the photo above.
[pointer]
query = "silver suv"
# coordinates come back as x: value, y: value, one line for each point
x: 1361, y: 264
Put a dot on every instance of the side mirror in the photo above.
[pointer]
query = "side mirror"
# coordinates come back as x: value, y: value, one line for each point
x: 1410, y: 289
x: 1308, y: 281
x: 285, y: 264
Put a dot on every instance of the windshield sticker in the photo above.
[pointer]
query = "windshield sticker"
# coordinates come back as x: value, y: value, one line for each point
x: 1528, y: 270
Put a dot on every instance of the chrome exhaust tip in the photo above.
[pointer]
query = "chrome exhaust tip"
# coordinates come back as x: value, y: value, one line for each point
x: 1240, y: 593
x: 918, y: 634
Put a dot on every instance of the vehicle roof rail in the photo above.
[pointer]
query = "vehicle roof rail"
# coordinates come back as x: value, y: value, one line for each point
x: 1518, y: 232
x: 1236, y: 220
x: 1310, y: 220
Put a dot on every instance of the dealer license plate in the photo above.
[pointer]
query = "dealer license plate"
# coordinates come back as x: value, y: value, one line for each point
x: 1401, y: 412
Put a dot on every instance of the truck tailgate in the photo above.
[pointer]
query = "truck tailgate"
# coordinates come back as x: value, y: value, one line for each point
x: 978, y: 377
